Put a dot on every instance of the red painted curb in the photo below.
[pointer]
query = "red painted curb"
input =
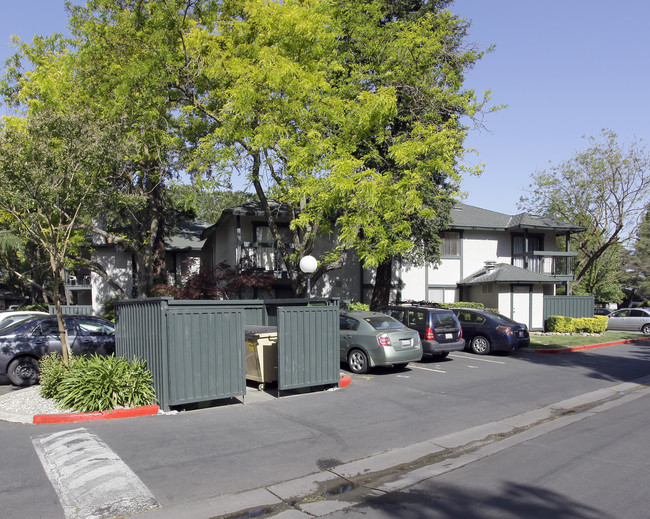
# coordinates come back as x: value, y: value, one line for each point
x: 591, y: 346
x: 97, y: 415
x: 346, y: 380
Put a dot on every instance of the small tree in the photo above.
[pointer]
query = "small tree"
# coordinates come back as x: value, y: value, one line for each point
x: 220, y: 282
x: 52, y: 169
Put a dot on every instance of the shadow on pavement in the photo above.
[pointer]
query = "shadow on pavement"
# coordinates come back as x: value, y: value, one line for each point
x: 604, y: 363
x: 431, y: 500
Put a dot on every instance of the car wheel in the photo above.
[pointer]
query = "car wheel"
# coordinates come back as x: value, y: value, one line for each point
x: 646, y: 329
x: 480, y: 345
x: 441, y: 355
x: 23, y: 371
x: 401, y: 365
x: 358, y: 362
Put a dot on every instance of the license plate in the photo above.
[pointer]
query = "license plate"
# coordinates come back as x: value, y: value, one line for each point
x: 406, y: 343
x: 520, y: 333
x: 449, y: 335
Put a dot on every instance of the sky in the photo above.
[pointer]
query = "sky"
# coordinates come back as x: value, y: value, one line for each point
x: 566, y: 69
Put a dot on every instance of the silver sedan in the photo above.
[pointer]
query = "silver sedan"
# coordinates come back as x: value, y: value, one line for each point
x: 630, y: 319
x: 371, y: 339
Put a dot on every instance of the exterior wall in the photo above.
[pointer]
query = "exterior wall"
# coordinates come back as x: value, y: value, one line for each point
x: 224, y: 249
x: 119, y: 266
x: 481, y: 246
x: 180, y: 265
x: 344, y: 283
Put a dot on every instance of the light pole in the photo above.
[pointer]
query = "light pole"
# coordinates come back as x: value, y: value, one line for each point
x: 308, y: 265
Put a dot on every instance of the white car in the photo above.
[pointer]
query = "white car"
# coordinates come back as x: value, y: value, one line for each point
x: 630, y: 319
x: 11, y: 317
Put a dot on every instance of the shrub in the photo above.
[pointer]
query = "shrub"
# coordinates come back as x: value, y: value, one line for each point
x: 463, y: 304
x: 562, y: 324
x: 96, y: 383
x: 53, y: 370
x: 356, y: 305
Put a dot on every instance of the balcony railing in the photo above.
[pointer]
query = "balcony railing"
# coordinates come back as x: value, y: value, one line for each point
x: 264, y: 255
x: 552, y: 263
x: 77, y: 281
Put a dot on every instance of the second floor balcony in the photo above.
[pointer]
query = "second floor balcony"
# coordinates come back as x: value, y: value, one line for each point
x: 553, y: 263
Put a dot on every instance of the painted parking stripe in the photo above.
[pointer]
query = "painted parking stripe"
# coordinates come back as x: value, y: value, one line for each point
x: 92, y: 482
x: 428, y: 369
x: 477, y: 359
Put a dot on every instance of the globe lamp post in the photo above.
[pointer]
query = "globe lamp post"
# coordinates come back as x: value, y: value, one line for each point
x: 308, y: 265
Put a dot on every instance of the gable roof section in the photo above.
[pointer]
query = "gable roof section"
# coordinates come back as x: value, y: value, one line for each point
x: 188, y: 236
x: 253, y: 209
x: 468, y: 217
x: 508, y: 274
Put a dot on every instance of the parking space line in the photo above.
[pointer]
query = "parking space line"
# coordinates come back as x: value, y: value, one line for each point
x: 478, y: 359
x: 428, y: 369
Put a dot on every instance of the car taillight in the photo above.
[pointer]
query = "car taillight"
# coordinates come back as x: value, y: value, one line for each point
x: 505, y: 329
x: 429, y: 335
x: 384, y: 340
x: 460, y: 334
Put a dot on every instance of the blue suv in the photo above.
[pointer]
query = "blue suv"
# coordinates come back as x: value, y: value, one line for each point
x: 439, y: 329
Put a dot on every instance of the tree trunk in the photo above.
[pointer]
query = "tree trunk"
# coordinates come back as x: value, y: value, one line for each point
x: 383, y: 279
x: 158, y: 228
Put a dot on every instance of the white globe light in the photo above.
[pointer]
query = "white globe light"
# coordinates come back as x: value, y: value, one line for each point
x: 308, y: 264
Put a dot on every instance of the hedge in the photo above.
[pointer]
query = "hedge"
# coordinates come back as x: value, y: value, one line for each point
x: 562, y: 324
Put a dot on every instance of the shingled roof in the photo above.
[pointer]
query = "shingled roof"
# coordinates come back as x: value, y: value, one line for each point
x: 469, y: 217
x: 509, y: 274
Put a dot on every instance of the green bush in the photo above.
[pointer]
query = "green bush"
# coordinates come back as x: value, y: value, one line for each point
x: 356, y: 305
x: 96, y: 383
x: 561, y: 324
x: 53, y: 371
x: 463, y: 304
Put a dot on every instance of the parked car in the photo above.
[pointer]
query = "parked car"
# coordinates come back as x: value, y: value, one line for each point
x: 630, y: 319
x: 9, y: 317
x: 487, y: 331
x: 22, y: 344
x: 439, y: 329
x: 371, y: 339
x: 602, y: 311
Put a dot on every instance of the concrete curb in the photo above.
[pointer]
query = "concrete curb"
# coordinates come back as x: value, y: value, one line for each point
x: 591, y: 346
x: 96, y: 415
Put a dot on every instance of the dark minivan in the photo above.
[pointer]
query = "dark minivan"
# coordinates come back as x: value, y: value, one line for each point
x: 439, y: 329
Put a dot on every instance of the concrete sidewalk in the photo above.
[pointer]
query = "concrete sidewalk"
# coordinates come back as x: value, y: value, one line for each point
x: 343, y: 486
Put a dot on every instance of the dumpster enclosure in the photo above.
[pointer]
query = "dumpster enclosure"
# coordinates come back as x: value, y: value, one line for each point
x: 196, y: 350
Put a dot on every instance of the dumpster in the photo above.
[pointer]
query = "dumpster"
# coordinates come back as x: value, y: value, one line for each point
x: 261, y: 354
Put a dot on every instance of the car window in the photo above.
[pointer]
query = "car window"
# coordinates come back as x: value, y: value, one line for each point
x: 50, y: 327
x: 444, y: 320
x: 621, y: 313
x: 383, y: 322
x: 348, y: 323
x: 396, y: 314
x: 417, y: 318
x: 88, y: 327
x: 638, y: 313
x: 470, y: 318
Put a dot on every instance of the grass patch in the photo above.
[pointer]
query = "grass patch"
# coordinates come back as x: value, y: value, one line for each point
x: 547, y: 342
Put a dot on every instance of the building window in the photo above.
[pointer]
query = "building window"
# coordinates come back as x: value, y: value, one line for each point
x: 451, y: 244
x: 524, y: 258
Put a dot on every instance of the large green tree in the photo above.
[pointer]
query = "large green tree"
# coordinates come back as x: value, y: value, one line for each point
x: 604, y: 188
x: 345, y: 113
x: 121, y: 64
